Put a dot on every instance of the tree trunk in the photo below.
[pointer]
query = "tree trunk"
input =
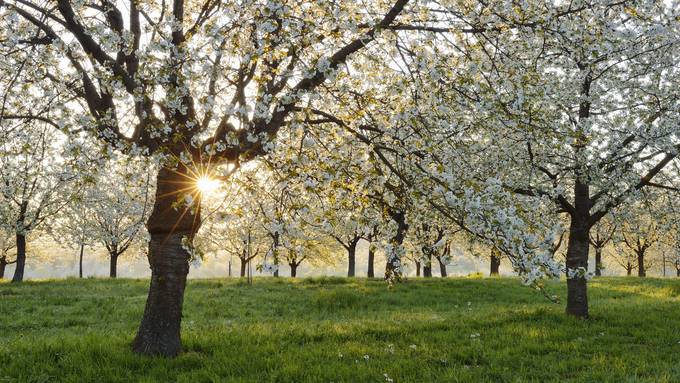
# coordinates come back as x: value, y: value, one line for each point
x: 21, y: 258
x: 677, y: 272
x: 598, y: 261
x: 293, y: 270
x: 3, y: 265
x: 244, y: 263
x: 171, y: 230
x: 629, y: 270
x: 577, y: 255
x: 579, y: 228
x: 371, y: 259
x: 276, y: 254
x: 393, y: 264
x: 351, y: 258
x: 80, y: 260
x: 427, y: 266
x: 113, y: 266
x: 417, y: 269
x: 495, y: 262
x: 442, y: 268
x: 641, y: 264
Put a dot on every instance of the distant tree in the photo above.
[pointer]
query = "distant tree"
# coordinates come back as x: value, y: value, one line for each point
x: 600, y: 235
x: 36, y: 182
x: 7, y: 243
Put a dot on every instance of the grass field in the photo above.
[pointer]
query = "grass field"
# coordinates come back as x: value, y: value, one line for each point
x: 345, y: 330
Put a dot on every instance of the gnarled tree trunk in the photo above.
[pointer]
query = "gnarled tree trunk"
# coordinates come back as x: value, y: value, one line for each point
x: 171, y: 227
x: 21, y: 258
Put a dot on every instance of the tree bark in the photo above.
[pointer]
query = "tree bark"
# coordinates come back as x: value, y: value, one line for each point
x: 244, y: 263
x: 598, y: 261
x: 427, y: 266
x: 641, y: 264
x: 3, y: 265
x: 577, y: 253
x: 21, y: 258
x: 113, y: 265
x: 442, y: 268
x: 293, y: 270
x: 351, y: 258
x: 371, y: 260
x: 495, y: 262
x: 276, y: 254
x: 417, y: 269
x: 393, y: 264
x: 171, y: 229
x: 629, y: 270
x: 80, y: 260
x: 677, y: 272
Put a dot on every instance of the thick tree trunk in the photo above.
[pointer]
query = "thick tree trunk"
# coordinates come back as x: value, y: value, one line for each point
x: 598, y: 261
x: 80, y: 260
x: 371, y: 260
x: 293, y: 270
x: 3, y: 265
x: 577, y: 259
x: 629, y: 270
x: 495, y: 262
x: 427, y: 267
x: 244, y: 263
x: 21, y: 258
x: 417, y: 269
x: 641, y: 265
x: 171, y: 229
x: 579, y: 228
x: 677, y: 272
x: 113, y: 266
x: 442, y: 268
x: 351, y: 258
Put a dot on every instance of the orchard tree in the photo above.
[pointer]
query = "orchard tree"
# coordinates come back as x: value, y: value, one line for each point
x: 7, y: 243
x: 601, y: 234
x: 36, y: 182
x: 196, y: 83
x: 577, y: 108
x: 120, y: 201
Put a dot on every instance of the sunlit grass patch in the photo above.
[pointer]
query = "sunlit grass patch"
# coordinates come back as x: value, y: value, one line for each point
x: 345, y: 330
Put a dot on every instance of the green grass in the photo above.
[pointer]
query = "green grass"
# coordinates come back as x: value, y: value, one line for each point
x: 320, y: 330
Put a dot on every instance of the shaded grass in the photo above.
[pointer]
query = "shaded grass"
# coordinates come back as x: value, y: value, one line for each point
x: 345, y: 330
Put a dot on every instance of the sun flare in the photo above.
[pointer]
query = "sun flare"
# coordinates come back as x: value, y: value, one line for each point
x: 207, y: 185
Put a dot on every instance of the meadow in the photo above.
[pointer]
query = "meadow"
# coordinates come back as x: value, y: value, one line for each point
x: 345, y: 330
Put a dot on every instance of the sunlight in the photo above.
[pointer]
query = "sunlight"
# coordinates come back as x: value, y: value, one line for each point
x: 207, y: 185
